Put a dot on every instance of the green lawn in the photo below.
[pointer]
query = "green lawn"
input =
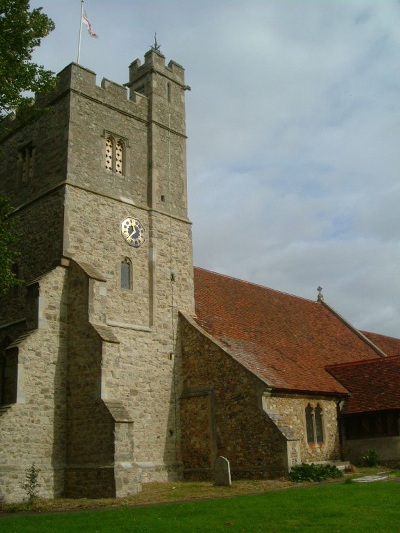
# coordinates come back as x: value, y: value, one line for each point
x: 370, y: 507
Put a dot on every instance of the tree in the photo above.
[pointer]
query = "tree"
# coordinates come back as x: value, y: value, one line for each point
x: 8, y: 238
x: 21, y: 30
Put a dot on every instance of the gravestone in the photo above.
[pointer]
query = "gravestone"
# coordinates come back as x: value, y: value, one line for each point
x: 222, y: 472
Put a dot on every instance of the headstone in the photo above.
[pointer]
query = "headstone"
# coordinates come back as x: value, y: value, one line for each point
x: 222, y: 472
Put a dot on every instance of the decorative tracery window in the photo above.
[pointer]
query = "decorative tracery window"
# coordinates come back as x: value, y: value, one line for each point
x: 314, y: 424
x: 109, y: 153
x: 126, y: 273
x: 115, y: 154
x: 119, y: 157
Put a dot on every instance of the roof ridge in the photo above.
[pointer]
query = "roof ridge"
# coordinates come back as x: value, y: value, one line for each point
x: 363, y: 362
x: 256, y: 285
x: 364, y: 332
x: 355, y: 330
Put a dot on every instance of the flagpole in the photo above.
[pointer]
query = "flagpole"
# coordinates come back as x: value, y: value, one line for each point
x: 80, y: 34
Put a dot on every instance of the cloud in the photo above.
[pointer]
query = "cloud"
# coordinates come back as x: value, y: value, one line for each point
x: 293, y: 124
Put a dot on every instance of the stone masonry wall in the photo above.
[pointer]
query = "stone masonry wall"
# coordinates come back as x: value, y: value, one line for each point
x: 47, y: 135
x: 33, y: 429
x: 221, y: 414
x: 291, y: 412
x: 238, y: 429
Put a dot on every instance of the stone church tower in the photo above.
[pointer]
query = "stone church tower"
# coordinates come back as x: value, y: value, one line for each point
x: 89, y: 345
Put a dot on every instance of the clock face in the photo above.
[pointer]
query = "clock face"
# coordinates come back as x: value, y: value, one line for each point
x: 133, y: 232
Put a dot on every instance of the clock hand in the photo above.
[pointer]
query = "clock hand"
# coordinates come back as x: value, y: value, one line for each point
x: 132, y: 236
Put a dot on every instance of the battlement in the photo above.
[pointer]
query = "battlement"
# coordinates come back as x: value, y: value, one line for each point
x: 131, y: 98
x: 83, y: 81
x: 155, y: 61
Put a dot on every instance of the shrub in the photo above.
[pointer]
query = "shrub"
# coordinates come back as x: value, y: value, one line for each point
x: 370, y: 458
x: 31, y: 483
x: 313, y: 472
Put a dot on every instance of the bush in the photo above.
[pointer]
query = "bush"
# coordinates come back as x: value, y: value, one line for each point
x: 31, y: 483
x: 370, y: 458
x: 312, y: 472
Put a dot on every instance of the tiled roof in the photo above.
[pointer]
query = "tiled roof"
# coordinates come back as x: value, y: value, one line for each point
x: 390, y: 345
x: 373, y: 385
x: 285, y: 340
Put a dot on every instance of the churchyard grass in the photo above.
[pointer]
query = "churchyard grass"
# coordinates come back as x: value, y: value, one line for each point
x: 342, y: 507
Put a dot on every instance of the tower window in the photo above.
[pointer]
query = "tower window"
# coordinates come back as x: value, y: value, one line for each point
x: 119, y: 156
x: 126, y: 274
x: 314, y: 424
x: 26, y: 162
x: 109, y: 153
x: 8, y: 377
x: 115, y: 154
x: 16, y: 270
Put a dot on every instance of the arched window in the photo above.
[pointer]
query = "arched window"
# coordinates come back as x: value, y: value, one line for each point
x: 319, y: 433
x: 115, y: 154
x: 126, y: 274
x: 310, y: 424
x: 314, y: 424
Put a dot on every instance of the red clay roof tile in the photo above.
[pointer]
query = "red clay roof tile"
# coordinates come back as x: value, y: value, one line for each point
x: 390, y: 345
x: 286, y: 340
x: 373, y: 384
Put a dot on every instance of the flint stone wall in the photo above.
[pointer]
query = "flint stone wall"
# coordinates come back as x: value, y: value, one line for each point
x: 221, y: 414
x: 226, y: 410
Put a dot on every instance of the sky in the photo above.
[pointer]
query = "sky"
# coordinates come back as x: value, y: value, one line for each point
x: 294, y: 125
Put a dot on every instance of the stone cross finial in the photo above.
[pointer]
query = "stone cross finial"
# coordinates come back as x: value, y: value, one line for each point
x: 320, y: 295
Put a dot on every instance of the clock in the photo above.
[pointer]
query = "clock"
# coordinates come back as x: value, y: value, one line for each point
x: 133, y: 232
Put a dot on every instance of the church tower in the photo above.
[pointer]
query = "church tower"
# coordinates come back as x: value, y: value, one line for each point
x: 89, y: 345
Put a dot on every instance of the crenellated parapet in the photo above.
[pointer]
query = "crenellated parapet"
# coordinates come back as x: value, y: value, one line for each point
x: 82, y: 81
x: 155, y: 63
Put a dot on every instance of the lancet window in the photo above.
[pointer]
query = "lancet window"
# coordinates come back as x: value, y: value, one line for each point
x: 26, y: 162
x: 126, y: 273
x: 314, y: 424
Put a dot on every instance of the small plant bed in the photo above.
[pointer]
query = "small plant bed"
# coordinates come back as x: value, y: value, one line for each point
x: 314, y: 472
x: 152, y: 493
